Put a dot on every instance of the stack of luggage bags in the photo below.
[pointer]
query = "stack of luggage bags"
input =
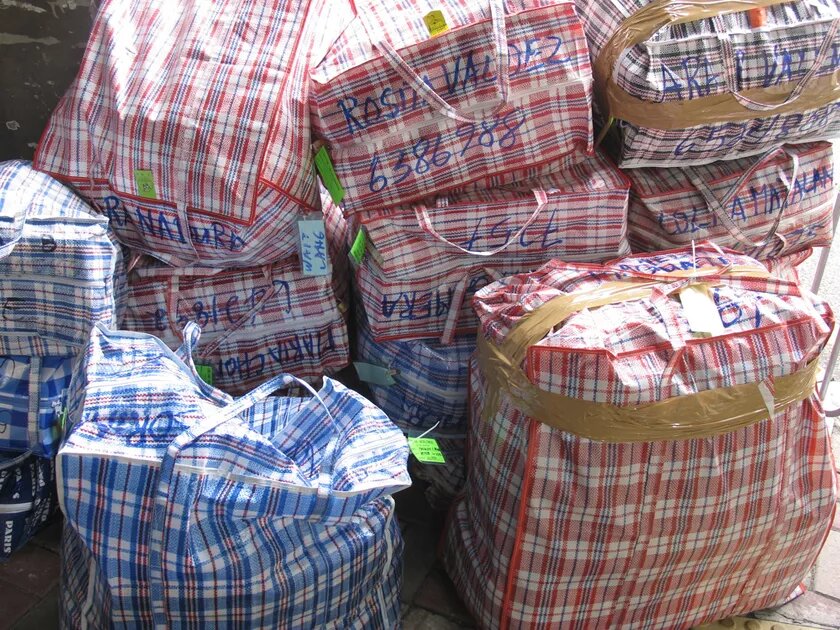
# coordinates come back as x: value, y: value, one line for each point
x: 478, y: 166
x: 564, y: 237
x: 61, y: 272
x: 647, y: 447
x: 212, y: 191
x: 187, y: 129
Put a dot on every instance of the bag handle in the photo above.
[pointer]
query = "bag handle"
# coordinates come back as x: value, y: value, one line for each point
x: 730, y: 72
x: 425, y: 223
x: 458, y: 295
x: 718, y: 206
x: 167, y: 468
x: 173, y: 299
x: 435, y: 101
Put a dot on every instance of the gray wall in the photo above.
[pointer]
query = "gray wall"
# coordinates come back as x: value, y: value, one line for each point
x: 41, y: 46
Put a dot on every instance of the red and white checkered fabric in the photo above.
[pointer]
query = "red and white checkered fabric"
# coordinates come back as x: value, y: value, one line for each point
x: 210, y: 100
x: 406, y: 115
x: 787, y: 267
x: 684, y: 62
x: 560, y: 531
x: 415, y: 284
x: 255, y: 322
x: 753, y: 205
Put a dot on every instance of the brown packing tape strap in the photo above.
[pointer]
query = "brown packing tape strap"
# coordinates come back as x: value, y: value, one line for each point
x: 705, y: 414
x: 614, y: 102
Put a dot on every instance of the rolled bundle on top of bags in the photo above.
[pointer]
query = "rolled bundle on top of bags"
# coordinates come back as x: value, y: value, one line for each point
x: 690, y: 82
x: 255, y: 512
x: 648, y: 448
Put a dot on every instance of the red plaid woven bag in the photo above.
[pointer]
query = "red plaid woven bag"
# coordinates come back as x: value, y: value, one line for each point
x: 417, y: 97
x: 188, y: 126
x: 256, y: 322
x: 691, y: 82
x: 766, y: 207
x: 625, y: 472
x: 426, y: 261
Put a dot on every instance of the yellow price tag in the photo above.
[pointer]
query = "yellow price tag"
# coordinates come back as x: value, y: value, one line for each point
x: 435, y: 22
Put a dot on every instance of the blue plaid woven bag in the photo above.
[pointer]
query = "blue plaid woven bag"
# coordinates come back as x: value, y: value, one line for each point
x: 199, y: 510
x: 423, y: 387
x: 27, y: 498
x: 60, y: 272
x: 418, y: 383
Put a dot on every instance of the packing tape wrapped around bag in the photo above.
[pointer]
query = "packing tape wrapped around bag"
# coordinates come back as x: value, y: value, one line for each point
x: 691, y: 82
x: 617, y: 103
x: 612, y: 429
x: 707, y: 413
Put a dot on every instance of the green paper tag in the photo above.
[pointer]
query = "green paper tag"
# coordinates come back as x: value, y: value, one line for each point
x: 426, y: 450
x: 205, y: 372
x: 62, y: 420
x: 375, y: 374
x: 357, y: 252
x: 145, y: 184
x: 327, y: 172
x: 313, y: 248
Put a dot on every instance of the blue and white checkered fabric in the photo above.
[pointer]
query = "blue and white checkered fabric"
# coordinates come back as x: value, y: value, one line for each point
x: 430, y: 386
x: 201, y: 510
x: 27, y: 498
x: 59, y: 267
x: 430, y: 380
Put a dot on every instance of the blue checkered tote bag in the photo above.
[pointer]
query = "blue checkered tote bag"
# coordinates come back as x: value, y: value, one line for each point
x: 199, y: 510
x: 60, y: 272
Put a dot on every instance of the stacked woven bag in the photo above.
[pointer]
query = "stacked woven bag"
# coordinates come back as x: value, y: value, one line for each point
x: 61, y: 272
x: 464, y: 157
x: 207, y: 177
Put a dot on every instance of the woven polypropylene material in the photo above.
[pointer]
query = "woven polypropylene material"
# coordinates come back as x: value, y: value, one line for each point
x: 413, y: 286
x: 60, y: 272
x: 556, y: 530
x: 260, y: 512
x: 445, y: 481
x: 28, y: 423
x: 482, y: 220
x: 84, y: 600
x: 787, y: 267
x: 256, y: 322
x: 430, y: 381
x: 684, y: 62
x: 428, y: 397
x: 27, y: 498
x: 390, y: 145
x: 667, y: 211
x: 208, y: 102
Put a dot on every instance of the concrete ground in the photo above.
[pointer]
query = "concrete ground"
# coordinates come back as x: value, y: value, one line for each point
x: 29, y: 581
